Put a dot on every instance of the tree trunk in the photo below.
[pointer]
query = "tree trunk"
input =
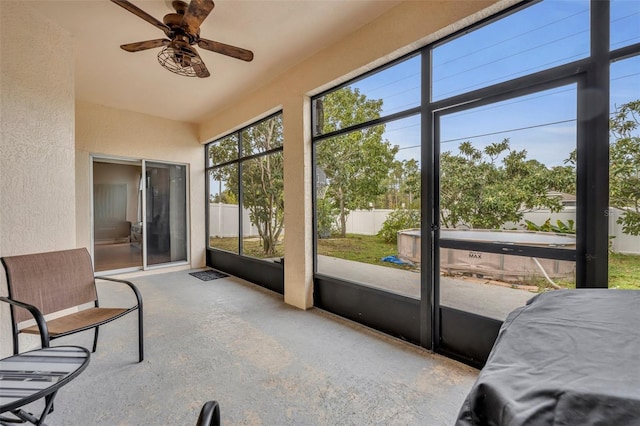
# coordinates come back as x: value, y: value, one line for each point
x: 343, y: 219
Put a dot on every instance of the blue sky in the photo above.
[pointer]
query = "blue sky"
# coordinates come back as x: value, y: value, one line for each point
x: 544, y: 35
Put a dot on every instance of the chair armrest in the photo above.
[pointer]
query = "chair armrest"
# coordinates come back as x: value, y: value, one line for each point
x: 37, y: 315
x: 130, y: 284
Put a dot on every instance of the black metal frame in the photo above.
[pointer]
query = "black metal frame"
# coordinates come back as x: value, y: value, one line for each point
x: 269, y: 275
x: 390, y: 313
x: 462, y: 335
x: 266, y: 274
x: 593, y: 147
x: 465, y: 336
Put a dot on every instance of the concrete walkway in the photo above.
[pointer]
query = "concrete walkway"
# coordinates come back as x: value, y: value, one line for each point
x: 473, y: 295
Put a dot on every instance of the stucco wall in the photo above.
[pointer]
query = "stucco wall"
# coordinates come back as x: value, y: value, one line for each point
x: 37, y: 190
x: 117, y: 133
x: 403, y: 29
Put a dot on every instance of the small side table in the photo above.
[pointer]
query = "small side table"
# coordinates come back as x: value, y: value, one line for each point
x: 36, y: 374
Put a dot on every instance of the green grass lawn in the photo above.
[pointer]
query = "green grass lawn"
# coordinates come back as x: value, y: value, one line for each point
x: 360, y: 248
x: 624, y: 271
x: 251, y: 247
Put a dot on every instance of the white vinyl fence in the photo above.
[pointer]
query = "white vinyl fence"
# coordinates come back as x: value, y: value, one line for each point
x: 223, y: 222
x: 366, y: 222
x: 621, y: 242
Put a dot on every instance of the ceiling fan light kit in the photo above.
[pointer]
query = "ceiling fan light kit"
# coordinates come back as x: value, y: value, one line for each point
x: 182, y: 59
x: 183, y: 31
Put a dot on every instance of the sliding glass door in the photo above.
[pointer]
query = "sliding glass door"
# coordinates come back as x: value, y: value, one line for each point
x: 139, y: 214
x: 507, y: 201
x: 165, y: 213
x: 117, y: 213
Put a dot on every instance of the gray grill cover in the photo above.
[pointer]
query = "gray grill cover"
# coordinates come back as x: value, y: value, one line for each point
x: 569, y: 357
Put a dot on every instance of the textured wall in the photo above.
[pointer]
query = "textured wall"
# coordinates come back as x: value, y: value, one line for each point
x: 118, y: 133
x: 37, y: 190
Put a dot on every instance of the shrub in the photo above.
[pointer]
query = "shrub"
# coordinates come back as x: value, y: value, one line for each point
x: 326, y: 217
x: 560, y: 228
x: 396, y: 221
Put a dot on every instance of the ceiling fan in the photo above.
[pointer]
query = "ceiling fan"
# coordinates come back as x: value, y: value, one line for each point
x: 182, y: 29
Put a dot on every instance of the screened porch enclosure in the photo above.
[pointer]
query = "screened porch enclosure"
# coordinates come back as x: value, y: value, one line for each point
x: 489, y: 130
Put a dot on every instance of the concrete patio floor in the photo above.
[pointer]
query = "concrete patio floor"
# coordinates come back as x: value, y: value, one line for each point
x: 265, y: 362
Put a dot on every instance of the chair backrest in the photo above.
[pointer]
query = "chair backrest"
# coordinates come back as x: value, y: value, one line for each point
x: 51, y: 281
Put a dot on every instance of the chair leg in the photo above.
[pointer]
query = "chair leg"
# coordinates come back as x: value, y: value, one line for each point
x: 16, y: 347
x: 209, y: 414
x: 140, y: 335
x: 49, y: 401
x: 26, y: 416
x: 95, y: 340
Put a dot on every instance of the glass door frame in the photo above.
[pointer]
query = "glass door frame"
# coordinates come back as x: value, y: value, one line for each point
x: 142, y: 163
x: 146, y: 266
x: 96, y: 158
x: 473, y: 334
x: 465, y: 335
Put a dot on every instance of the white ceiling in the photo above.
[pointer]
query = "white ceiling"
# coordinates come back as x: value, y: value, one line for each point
x: 281, y: 33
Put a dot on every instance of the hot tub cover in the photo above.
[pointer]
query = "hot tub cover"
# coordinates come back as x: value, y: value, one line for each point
x: 569, y: 357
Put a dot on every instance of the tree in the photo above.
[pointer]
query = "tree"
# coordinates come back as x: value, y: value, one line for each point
x: 402, y: 185
x: 356, y: 163
x: 479, y: 192
x: 411, y: 181
x: 393, y: 185
x: 225, y: 197
x: 563, y: 178
x: 223, y: 151
x: 624, y: 166
x: 262, y: 179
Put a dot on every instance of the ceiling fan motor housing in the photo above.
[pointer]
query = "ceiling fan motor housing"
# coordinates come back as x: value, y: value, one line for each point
x: 174, y: 22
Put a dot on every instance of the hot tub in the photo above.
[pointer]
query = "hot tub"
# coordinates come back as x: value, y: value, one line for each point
x: 497, y: 266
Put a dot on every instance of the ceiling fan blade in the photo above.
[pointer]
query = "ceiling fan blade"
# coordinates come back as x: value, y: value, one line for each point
x: 144, y: 45
x: 197, y: 12
x: 226, y: 49
x: 199, y: 67
x: 142, y: 14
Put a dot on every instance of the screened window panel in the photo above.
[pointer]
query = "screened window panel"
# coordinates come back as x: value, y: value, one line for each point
x: 542, y: 36
x: 625, y: 23
x: 392, y: 90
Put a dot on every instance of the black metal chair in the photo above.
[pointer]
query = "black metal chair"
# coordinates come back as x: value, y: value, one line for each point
x: 45, y: 283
